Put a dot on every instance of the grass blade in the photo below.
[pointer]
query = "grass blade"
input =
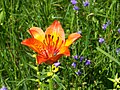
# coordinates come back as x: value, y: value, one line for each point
x: 105, y: 53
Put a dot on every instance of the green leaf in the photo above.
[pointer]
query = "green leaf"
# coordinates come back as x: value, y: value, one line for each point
x: 105, y: 53
x: 59, y: 82
x: 2, y: 16
x: 34, y: 67
x: 111, y: 79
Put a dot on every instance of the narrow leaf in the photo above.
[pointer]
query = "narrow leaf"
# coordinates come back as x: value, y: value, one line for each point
x: 108, y: 55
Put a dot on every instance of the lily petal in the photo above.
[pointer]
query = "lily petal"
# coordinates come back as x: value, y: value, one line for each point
x: 64, y: 50
x: 56, y: 30
x: 40, y: 59
x: 37, y: 33
x: 71, y: 38
x: 53, y: 59
x: 34, y: 44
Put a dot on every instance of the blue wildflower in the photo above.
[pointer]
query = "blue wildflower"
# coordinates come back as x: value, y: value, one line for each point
x: 75, y: 57
x: 101, y: 40
x: 79, y: 32
x: 118, y: 50
x: 74, y: 2
x: 76, y: 8
x: 108, y: 23
x: 57, y: 64
x: 81, y: 58
x: 86, y: 3
x: 78, y: 72
x: 3, y: 88
x: 104, y: 26
x: 74, y: 64
x: 88, y: 62
x: 119, y: 30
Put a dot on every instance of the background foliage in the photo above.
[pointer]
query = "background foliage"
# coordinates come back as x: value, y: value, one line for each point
x: 17, y: 16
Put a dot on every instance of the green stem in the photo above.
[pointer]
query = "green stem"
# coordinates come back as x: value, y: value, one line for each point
x: 38, y: 80
x: 50, y: 84
x: 50, y: 81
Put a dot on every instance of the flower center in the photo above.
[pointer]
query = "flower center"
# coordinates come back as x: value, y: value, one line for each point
x: 52, y: 45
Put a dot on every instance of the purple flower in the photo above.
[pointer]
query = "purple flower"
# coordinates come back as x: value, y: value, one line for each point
x: 104, y: 26
x: 86, y: 3
x: 74, y: 64
x: 79, y: 32
x: 76, y: 8
x: 73, y: 2
x: 119, y: 30
x: 101, y: 40
x: 57, y: 64
x: 88, y: 62
x: 3, y: 88
x: 108, y: 23
x: 118, y: 50
x: 81, y: 58
x: 78, y: 72
x: 75, y: 57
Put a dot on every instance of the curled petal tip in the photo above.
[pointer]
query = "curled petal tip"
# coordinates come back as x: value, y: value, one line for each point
x: 37, y: 33
x: 56, y: 30
x: 56, y: 24
x: 56, y: 21
x: 26, y: 41
x: 71, y: 38
x: 23, y: 42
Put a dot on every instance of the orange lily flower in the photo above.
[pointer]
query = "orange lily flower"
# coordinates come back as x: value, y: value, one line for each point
x: 50, y: 45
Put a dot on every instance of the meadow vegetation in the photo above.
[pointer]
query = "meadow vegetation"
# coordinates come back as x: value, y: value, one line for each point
x: 94, y: 62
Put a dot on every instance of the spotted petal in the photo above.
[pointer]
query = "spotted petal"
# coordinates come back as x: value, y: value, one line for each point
x: 56, y: 31
x: 33, y: 44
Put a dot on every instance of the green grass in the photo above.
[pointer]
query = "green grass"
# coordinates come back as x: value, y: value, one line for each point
x: 16, y: 63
